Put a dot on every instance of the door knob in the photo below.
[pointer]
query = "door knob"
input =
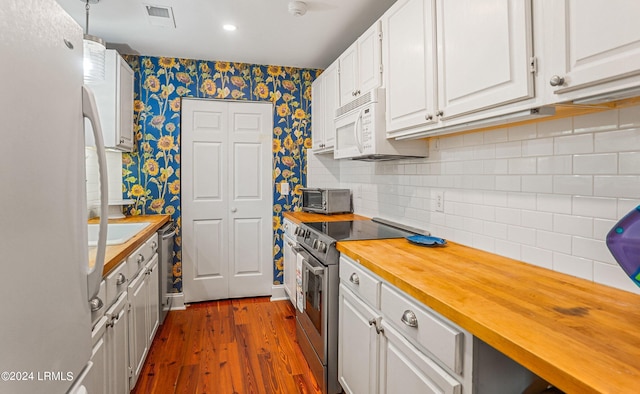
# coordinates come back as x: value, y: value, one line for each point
x: 234, y: 210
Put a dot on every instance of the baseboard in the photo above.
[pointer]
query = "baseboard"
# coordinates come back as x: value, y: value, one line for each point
x: 278, y: 293
x: 177, y: 303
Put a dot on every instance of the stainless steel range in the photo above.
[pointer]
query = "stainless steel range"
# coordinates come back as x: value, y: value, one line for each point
x: 318, y: 281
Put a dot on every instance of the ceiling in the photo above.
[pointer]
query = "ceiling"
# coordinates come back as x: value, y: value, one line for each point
x: 266, y: 32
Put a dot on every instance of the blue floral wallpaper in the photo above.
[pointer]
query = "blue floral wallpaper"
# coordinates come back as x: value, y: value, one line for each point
x: 151, y: 174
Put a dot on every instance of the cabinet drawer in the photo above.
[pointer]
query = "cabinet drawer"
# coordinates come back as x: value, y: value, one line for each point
x: 365, y: 285
x: 116, y: 282
x: 426, y: 328
x: 138, y: 259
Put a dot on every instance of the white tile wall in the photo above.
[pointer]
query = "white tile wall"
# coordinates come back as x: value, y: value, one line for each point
x: 544, y: 193
x: 114, y: 171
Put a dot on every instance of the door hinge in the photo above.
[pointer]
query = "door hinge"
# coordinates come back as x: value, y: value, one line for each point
x: 533, y: 64
x: 130, y: 372
x: 380, y: 36
x: 381, y: 68
x: 128, y: 306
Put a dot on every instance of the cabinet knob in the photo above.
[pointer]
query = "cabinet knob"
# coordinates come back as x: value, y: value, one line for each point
x: 355, y: 279
x: 428, y: 117
x: 556, y: 80
x: 154, y: 246
x: 357, y: 92
x: 372, y: 321
x: 122, y: 140
x: 409, y: 318
x: 234, y: 210
x: 140, y: 258
x: 440, y: 113
x: 121, y: 279
x: 95, y: 304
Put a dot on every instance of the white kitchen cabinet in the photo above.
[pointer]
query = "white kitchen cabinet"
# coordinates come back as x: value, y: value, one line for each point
x: 138, y: 340
x: 323, y: 110
x: 96, y: 380
x: 593, y: 47
x: 411, y: 90
x: 153, y: 304
x: 405, y: 368
x: 360, y: 66
x: 389, y: 342
x: 358, y: 345
x: 289, y: 245
x: 143, y: 324
x: 117, y: 346
x: 114, y: 99
x: 484, y: 54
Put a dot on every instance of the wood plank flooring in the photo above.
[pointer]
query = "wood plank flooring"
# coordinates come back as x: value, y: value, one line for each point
x: 230, y: 346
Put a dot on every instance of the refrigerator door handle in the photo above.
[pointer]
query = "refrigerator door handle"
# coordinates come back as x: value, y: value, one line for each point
x: 90, y: 111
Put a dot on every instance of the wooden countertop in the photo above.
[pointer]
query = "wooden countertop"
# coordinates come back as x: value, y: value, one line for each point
x: 299, y: 217
x: 115, y: 254
x: 580, y: 336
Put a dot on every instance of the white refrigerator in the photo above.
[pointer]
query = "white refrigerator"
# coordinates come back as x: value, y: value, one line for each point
x: 46, y: 285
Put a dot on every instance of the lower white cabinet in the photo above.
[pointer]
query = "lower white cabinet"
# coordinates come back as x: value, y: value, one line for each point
x: 117, y: 346
x: 358, y: 345
x: 144, y: 319
x: 391, y: 343
x: 289, y: 245
x: 405, y: 368
x: 96, y: 380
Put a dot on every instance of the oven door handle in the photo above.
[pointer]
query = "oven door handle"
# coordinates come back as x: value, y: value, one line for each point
x: 318, y: 271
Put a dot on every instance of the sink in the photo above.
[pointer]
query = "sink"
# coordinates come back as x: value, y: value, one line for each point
x: 117, y: 233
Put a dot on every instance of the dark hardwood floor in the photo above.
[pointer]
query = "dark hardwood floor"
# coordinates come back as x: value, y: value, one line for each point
x: 229, y: 346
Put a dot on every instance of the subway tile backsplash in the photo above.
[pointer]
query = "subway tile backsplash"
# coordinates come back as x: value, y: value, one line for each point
x: 544, y: 193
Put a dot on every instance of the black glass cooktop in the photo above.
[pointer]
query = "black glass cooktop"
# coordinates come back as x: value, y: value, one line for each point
x: 357, y: 230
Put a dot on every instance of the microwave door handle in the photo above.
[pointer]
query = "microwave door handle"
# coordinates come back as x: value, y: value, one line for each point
x: 358, y: 133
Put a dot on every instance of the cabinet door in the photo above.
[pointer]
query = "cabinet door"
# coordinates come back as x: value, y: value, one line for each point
x: 403, y: 368
x: 117, y: 347
x: 484, y: 53
x: 153, y: 304
x: 593, y: 41
x: 357, y: 345
x: 124, y: 131
x: 348, y: 74
x: 138, y: 339
x: 409, y: 30
x: 369, y: 59
x: 317, y: 112
x: 289, y: 269
x: 96, y: 380
x: 331, y: 103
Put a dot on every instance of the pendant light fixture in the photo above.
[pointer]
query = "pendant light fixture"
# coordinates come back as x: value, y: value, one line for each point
x: 94, y: 50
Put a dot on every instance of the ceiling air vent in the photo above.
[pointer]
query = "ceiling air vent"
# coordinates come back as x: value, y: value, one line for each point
x: 160, y: 15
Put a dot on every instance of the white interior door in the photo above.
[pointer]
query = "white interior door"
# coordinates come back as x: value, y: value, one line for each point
x: 226, y: 199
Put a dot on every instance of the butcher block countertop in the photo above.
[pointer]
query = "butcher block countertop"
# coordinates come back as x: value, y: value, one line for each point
x: 580, y: 336
x: 115, y: 254
x: 300, y: 217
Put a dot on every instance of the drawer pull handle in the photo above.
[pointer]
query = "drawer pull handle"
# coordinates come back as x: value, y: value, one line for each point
x: 121, y: 279
x: 354, y: 279
x: 409, y: 318
x: 96, y: 304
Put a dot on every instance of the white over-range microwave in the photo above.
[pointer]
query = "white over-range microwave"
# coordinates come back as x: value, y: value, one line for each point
x: 361, y: 132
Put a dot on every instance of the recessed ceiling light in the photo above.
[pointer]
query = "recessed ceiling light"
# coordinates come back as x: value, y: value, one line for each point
x: 229, y: 27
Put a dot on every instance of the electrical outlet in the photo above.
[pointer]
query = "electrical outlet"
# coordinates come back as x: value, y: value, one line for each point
x: 439, y: 197
x: 284, y: 188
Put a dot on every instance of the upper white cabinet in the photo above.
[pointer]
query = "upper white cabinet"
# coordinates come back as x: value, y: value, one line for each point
x: 324, y: 91
x: 484, y: 54
x: 360, y: 66
x: 114, y: 99
x: 409, y: 33
x: 465, y: 57
x: 593, y: 47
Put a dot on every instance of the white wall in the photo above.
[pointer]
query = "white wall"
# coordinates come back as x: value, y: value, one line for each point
x: 545, y: 193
